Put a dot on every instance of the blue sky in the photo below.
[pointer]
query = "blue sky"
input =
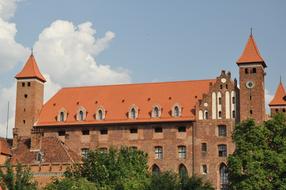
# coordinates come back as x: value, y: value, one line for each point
x: 136, y: 41
x: 170, y: 40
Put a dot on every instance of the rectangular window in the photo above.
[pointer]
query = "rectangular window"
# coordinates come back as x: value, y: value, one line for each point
x: 222, y: 130
x: 158, y: 152
x: 253, y: 70
x: 219, y: 100
x: 23, y: 84
x: 85, y: 132
x: 103, y: 131
x: 181, y: 129
x: 133, y: 130
x: 182, y: 152
x: 61, y: 133
x: 204, y: 169
x: 233, y: 114
x: 222, y: 150
x: 84, y: 152
x: 204, y: 147
x: 158, y: 130
x: 29, y: 84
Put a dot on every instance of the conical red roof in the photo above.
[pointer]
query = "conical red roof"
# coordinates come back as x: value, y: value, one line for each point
x: 30, y: 70
x: 250, y: 53
x: 280, y: 96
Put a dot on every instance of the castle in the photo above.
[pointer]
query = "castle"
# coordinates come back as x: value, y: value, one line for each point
x: 184, y: 126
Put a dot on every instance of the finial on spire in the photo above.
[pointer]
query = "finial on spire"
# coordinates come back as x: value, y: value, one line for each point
x: 280, y: 79
x: 250, y: 31
x: 32, y: 52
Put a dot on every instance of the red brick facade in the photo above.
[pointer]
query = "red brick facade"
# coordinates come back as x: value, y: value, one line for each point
x: 184, y: 125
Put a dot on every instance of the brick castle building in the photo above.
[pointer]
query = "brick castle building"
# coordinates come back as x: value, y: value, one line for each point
x: 184, y: 126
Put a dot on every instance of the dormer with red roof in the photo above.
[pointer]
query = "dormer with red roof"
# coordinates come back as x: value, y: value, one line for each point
x: 251, y: 74
x: 29, y: 99
x: 278, y: 103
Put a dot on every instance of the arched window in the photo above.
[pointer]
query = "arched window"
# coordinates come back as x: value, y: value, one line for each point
x: 223, y: 177
x: 176, y: 112
x: 62, y: 116
x: 206, y: 115
x: 156, y: 112
x: 133, y: 113
x: 155, y: 169
x: 100, y: 113
x: 81, y: 115
x: 183, y: 172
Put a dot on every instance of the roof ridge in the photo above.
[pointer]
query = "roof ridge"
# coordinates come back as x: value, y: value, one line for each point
x: 134, y: 84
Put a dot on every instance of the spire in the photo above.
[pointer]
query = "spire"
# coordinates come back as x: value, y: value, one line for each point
x: 280, y: 94
x: 251, y: 53
x: 30, y: 70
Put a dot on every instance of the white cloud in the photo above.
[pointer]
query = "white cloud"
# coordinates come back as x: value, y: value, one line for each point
x: 67, y: 53
x: 8, y: 8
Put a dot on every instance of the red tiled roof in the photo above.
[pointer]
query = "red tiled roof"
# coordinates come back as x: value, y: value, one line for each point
x: 30, y: 70
x: 118, y: 99
x: 54, y: 151
x: 279, y: 98
x: 251, y: 53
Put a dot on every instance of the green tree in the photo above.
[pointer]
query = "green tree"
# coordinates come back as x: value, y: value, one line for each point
x: 71, y: 184
x: 123, y: 168
x: 259, y: 161
x: 164, y: 180
x: 195, y: 183
x: 19, y: 179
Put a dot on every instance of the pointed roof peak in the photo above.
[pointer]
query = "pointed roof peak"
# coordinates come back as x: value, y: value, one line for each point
x: 280, y: 96
x: 251, y: 53
x: 31, y: 70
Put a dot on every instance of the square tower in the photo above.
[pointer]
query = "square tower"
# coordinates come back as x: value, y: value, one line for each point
x: 251, y: 80
x: 29, y: 99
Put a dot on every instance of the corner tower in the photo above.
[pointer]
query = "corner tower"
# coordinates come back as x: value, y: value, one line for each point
x: 278, y: 103
x: 29, y: 99
x: 251, y: 80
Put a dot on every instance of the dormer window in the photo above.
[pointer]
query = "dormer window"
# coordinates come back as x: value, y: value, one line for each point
x: 133, y: 112
x: 81, y: 114
x: 176, y: 112
x: 100, y: 114
x: 156, y: 112
x: 62, y: 115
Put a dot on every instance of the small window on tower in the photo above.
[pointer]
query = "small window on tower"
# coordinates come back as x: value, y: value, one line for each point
x: 284, y: 110
x: 219, y: 100
x: 26, y: 95
x: 251, y: 112
x: 246, y: 71
x: 233, y: 114
x: 253, y: 70
x: 29, y: 84
x: 276, y: 110
x: 24, y: 121
x: 23, y: 84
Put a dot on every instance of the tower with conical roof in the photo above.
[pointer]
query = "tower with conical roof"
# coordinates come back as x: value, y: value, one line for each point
x: 251, y: 80
x: 29, y: 99
x: 278, y: 103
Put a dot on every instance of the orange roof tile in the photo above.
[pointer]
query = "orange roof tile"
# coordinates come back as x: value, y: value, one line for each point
x: 118, y: 99
x: 251, y: 53
x: 55, y: 151
x: 279, y: 98
x: 30, y: 70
